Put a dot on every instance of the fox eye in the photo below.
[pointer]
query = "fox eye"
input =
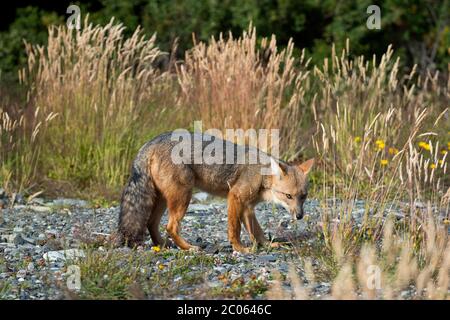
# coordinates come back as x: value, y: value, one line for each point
x: 288, y: 196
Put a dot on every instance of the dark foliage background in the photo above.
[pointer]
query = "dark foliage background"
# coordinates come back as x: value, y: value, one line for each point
x: 418, y: 30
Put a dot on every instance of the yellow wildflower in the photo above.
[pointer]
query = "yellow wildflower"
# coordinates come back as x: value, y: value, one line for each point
x: 440, y: 162
x: 424, y: 145
x: 357, y: 139
x: 384, y: 162
x: 161, y: 267
x: 380, y: 144
x: 444, y: 152
x: 393, y: 150
x: 156, y: 249
x: 448, y: 145
x: 432, y: 166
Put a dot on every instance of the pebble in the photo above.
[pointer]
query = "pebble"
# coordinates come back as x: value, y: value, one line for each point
x: 18, y: 240
x: 21, y: 273
x: 30, y: 267
x: 200, y: 196
x: 267, y: 258
x: 63, y: 255
x: 17, y: 230
x: 70, y: 202
x: 42, y: 209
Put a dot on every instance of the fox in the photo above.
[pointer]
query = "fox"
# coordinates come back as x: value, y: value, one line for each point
x: 157, y: 183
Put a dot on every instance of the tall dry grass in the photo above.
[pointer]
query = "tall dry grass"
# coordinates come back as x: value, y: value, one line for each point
x: 394, y: 268
x: 392, y: 158
x: 246, y: 84
x: 108, y: 98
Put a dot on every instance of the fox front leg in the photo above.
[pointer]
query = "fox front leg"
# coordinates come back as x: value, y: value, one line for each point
x: 235, y: 215
x: 252, y: 226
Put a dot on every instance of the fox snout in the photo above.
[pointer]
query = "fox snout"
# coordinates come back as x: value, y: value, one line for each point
x: 299, y: 213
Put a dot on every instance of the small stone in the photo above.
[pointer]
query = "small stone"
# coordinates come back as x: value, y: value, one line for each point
x: 17, y: 230
x: 18, y: 240
x: 19, y: 199
x: 37, y: 201
x: 41, y: 237
x: 63, y: 255
x: 267, y: 258
x: 200, y: 196
x: 21, y: 274
x: 42, y: 209
x: 29, y: 240
x: 30, y: 267
x: 284, y: 223
x: 220, y: 270
x: 70, y: 203
x: 198, y: 207
x: 51, y: 232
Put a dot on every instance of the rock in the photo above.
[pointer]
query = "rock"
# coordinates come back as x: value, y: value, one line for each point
x: 267, y: 258
x: 18, y: 240
x: 5, y: 238
x: 15, y: 239
x: 51, y: 233
x: 37, y: 201
x: 3, y: 193
x: 41, y: 238
x: 18, y: 198
x: 42, y: 209
x: 198, y: 207
x: 63, y: 255
x: 21, y: 274
x: 70, y: 202
x: 30, y: 267
x: 17, y: 230
x: 284, y: 223
x: 200, y: 196
x: 29, y: 240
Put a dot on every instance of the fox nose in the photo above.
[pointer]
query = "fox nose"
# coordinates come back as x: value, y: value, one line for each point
x: 299, y: 214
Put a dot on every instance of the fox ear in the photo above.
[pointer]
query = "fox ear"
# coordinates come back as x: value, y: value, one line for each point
x: 278, y: 168
x: 306, y: 166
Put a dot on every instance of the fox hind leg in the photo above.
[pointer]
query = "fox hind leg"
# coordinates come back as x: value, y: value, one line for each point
x: 154, y: 222
x: 177, y: 205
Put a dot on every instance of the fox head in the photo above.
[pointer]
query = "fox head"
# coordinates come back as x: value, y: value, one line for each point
x: 290, y: 185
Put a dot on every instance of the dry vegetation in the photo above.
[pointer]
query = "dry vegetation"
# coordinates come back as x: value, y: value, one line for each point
x: 379, y: 135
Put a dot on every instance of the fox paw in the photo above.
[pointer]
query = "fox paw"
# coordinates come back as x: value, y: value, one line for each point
x: 244, y: 250
x: 195, y: 249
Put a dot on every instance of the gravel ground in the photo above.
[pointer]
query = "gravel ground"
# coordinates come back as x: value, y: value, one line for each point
x: 32, y: 236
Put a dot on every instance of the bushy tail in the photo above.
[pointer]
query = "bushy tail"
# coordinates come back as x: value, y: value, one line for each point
x: 138, y: 200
